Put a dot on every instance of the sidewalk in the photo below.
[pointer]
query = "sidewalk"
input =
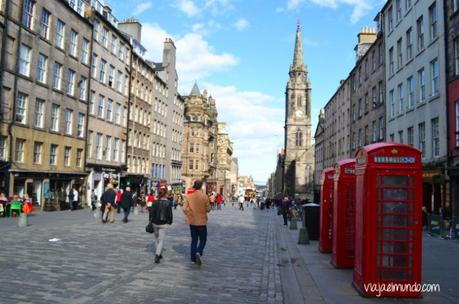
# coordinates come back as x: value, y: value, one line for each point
x: 317, y: 281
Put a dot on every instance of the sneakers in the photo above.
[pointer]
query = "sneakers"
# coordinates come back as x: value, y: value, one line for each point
x: 198, y: 259
x: 157, y: 258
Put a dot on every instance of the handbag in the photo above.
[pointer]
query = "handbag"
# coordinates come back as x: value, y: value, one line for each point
x: 149, y: 228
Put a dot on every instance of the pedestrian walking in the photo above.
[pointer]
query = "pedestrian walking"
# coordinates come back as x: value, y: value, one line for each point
x: 196, y: 207
x: 107, y: 207
x: 75, y: 199
x: 119, y: 193
x: 241, y: 203
x: 285, y: 209
x: 126, y: 203
x: 61, y: 198
x: 160, y: 217
x: 212, y: 200
x: 219, y: 201
x: 93, y: 200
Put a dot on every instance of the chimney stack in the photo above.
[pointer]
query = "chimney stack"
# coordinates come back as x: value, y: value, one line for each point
x: 366, y: 38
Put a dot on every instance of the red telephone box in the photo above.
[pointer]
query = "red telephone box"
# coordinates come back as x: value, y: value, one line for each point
x: 326, y: 210
x: 388, y: 220
x: 344, y: 214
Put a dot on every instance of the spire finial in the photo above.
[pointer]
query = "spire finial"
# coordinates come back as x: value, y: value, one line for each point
x: 298, y: 25
x: 298, y: 63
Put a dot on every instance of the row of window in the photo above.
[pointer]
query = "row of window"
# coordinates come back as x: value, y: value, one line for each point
x: 105, y: 73
x: 362, y: 107
x: 160, y: 108
x: 146, y: 72
x: 138, y: 165
x: 44, y: 28
x: 54, y: 153
x: 142, y: 91
x: 433, y: 21
x: 107, y: 109
x: 58, y: 82
x: 404, y: 58
x: 117, y: 48
x: 158, y: 171
x: 177, y: 118
x: 139, y: 115
x: 377, y: 59
x: 139, y: 140
x: 362, y: 136
x: 408, y: 91
x: 421, y: 144
x: 176, y: 136
x: 159, y: 150
x: 39, y: 116
x: 176, y: 154
x: 159, y: 128
x: 193, y: 164
x: 105, y: 147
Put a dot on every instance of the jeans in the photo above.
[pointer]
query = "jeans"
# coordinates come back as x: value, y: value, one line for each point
x: 284, y: 215
x: 197, y: 232
x: 126, y: 213
x: 159, y: 233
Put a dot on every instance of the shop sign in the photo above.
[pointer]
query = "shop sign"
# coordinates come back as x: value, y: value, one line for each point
x: 395, y: 159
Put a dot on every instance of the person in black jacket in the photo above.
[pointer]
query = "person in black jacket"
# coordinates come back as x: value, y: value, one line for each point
x: 126, y: 202
x: 160, y: 216
x: 107, y: 201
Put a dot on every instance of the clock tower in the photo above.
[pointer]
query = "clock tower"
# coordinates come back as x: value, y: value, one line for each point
x: 299, y: 152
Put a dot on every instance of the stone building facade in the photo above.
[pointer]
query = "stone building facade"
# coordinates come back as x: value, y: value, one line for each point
x: 367, y: 92
x: 45, y: 64
x: 452, y: 78
x: 140, y: 111
x: 224, y: 161
x: 416, y: 99
x: 199, y: 150
x: 299, y: 150
x: 234, y: 175
x: 319, y: 154
x: 109, y: 101
x: 167, y: 128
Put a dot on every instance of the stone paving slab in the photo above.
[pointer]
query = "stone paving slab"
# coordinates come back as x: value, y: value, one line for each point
x: 113, y: 263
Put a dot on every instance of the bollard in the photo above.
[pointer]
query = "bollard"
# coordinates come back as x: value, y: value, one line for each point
x: 303, y: 238
x: 22, y: 221
x: 136, y: 210
x: 293, y: 225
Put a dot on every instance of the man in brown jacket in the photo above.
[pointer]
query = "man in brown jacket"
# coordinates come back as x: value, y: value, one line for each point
x: 196, y: 207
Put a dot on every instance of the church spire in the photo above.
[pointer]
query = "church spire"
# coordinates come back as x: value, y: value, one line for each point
x: 298, y: 62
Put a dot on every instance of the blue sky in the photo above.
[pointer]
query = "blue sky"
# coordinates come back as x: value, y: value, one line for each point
x: 241, y: 50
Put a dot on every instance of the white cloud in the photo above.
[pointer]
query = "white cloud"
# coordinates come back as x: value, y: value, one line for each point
x: 206, y: 28
x: 142, y: 7
x: 360, y: 7
x: 196, y: 59
x: 241, y: 24
x: 255, y: 124
x: 218, y: 7
x: 294, y: 4
x: 188, y: 7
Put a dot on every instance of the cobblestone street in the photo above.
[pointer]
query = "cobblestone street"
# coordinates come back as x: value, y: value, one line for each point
x: 113, y: 263
x: 250, y: 257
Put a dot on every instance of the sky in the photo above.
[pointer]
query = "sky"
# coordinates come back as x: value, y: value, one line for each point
x: 240, y: 51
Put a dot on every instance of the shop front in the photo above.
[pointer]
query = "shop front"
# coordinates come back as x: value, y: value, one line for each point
x: 42, y: 187
x: 99, y: 177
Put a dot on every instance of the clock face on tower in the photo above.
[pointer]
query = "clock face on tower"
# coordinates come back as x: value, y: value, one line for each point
x: 299, y: 113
